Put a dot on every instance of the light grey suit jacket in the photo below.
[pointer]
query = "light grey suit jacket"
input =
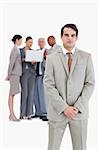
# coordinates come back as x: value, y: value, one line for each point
x: 53, y: 49
x: 65, y: 89
x: 15, y: 66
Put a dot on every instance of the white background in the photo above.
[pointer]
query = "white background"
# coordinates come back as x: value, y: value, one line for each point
x: 42, y: 20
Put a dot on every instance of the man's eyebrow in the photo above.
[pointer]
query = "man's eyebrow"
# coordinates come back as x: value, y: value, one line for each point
x: 66, y: 34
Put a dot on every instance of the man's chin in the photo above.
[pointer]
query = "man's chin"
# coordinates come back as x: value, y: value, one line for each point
x: 70, y: 47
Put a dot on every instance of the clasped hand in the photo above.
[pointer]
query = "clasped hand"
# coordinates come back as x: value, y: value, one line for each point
x: 71, y: 112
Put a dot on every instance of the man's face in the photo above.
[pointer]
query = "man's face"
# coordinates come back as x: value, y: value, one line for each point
x: 69, y: 38
x: 41, y: 43
x: 29, y: 43
x: 51, y: 41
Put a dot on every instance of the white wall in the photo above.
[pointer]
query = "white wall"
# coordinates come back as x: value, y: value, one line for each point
x: 36, y: 20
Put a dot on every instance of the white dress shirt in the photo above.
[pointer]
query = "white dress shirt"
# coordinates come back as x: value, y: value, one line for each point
x: 40, y: 67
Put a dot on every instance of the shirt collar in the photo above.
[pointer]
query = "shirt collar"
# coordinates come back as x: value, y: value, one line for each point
x: 65, y: 51
x: 43, y: 49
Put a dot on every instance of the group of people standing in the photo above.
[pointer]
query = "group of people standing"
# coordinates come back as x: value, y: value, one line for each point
x: 30, y: 76
x: 68, y: 85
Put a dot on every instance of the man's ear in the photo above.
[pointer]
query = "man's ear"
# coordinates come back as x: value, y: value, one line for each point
x: 61, y: 36
x: 77, y: 38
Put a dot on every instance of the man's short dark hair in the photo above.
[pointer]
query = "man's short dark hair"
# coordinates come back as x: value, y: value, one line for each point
x: 72, y: 26
x: 28, y: 38
x: 51, y: 36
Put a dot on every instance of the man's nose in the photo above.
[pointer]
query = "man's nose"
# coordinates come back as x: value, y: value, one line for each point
x: 69, y: 37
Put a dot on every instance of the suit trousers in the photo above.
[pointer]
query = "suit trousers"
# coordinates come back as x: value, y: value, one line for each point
x: 27, y: 93
x: 39, y: 97
x: 78, y: 131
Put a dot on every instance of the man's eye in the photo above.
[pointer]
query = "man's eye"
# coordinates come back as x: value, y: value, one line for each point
x: 73, y: 35
x: 66, y: 35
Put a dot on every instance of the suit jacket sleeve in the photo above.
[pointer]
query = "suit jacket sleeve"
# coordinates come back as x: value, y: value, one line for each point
x: 86, y: 93
x: 12, y: 60
x: 51, y: 91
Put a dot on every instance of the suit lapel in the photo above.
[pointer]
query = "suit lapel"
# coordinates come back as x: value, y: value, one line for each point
x: 63, y: 60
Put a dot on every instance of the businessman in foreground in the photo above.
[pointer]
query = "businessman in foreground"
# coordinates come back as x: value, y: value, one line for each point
x: 69, y: 83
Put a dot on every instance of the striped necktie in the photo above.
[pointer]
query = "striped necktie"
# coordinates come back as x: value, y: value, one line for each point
x: 69, y: 60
